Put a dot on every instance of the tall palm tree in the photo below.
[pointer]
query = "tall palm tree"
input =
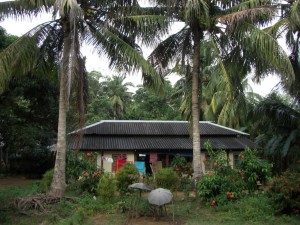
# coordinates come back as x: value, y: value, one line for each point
x: 111, y: 27
x: 230, y: 27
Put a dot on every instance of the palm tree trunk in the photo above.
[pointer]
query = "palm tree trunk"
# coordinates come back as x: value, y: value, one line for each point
x: 58, y: 184
x: 195, y: 105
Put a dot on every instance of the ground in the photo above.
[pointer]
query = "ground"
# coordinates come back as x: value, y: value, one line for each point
x: 14, y: 182
x: 100, y: 219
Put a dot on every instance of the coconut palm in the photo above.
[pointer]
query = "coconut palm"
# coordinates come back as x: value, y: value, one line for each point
x: 230, y: 28
x: 111, y: 27
x: 288, y: 27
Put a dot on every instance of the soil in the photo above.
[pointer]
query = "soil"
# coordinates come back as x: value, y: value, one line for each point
x: 106, y: 219
x: 14, y: 181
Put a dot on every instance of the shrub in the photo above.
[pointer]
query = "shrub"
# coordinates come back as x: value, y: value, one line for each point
x: 181, y: 166
x: 46, y: 181
x: 82, y: 170
x: 253, y: 169
x: 167, y: 178
x: 126, y: 175
x: 221, y: 185
x: 284, y: 192
x: 107, y: 187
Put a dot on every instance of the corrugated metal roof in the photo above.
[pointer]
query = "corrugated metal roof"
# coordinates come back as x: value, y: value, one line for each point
x: 135, y: 127
x: 157, y: 135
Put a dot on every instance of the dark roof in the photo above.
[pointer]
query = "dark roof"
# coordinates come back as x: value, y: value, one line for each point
x: 157, y: 135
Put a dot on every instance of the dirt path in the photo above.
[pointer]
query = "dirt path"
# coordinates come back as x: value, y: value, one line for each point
x: 14, y: 181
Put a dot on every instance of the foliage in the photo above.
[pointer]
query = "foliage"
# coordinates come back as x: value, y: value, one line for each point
x: 253, y: 169
x: 167, y: 178
x: 107, y: 187
x: 82, y: 170
x: 219, y: 188
x: 221, y: 185
x: 126, y: 175
x: 181, y: 166
x: 147, y: 104
x: 284, y: 191
x: 276, y: 128
x: 46, y: 181
x: 251, y: 208
x: 225, y: 184
x: 28, y: 116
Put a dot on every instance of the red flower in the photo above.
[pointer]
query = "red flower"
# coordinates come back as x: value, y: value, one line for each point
x: 204, y: 160
x: 177, y: 169
x: 210, y: 174
x: 228, y: 193
x: 231, y: 196
x: 88, y: 154
x: 213, y: 202
x: 86, y: 174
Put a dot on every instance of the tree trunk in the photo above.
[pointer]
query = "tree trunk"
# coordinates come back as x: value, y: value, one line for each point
x: 195, y: 105
x: 58, y: 184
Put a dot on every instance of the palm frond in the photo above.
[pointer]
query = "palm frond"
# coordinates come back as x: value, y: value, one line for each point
x: 171, y: 50
x: 123, y: 55
x: 278, y: 28
x: 24, y: 8
x: 264, y: 53
x: 294, y: 14
x: 261, y: 15
x: 289, y: 141
x: 196, y: 9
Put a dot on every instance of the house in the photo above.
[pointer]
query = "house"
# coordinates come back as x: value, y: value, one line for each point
x: 154, y: 142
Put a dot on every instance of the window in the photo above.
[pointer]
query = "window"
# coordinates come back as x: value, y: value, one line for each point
x: 235, y: 160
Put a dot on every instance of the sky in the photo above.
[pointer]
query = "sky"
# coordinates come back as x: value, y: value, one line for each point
x: 94, y: 62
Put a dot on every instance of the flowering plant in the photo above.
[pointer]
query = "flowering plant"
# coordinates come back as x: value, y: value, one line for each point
x: 284, y: 192
x: 181, y: 166
x: 83, y: 172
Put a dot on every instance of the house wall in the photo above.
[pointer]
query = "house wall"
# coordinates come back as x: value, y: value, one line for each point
x: 109, y: 154
x: 232, y: 155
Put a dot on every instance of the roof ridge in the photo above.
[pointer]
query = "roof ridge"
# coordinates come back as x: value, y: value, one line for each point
x: 227, y: 128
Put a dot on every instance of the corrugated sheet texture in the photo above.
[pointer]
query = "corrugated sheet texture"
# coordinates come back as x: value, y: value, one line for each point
x: 157, y: 135
x: 93, y: 142
x: 155, y: 128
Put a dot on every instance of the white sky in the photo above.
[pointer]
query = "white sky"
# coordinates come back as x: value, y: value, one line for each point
x: 18, y: 27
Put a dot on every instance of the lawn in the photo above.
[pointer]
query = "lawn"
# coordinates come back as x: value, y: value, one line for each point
x: 86, y: 210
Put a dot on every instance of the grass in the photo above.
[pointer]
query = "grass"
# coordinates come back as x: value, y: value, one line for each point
x: 251, y: 210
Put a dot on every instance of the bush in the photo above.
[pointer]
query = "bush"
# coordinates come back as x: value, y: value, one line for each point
x: 284, y: 192
x: 253, y: 169
x: 181, y: 166
x: 107, y: 187
x: 127, y: 174
x: 220, y: 187
x: 167, y: 178
x: 223, y: 184
x: 46, y: 181
x: 82, y: 170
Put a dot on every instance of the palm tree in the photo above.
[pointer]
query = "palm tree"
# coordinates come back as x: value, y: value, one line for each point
x: 230, y: 28
x: 109, y: 26
x: 276, y: 127
x: 288, y: 27
x: 118, y: 94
